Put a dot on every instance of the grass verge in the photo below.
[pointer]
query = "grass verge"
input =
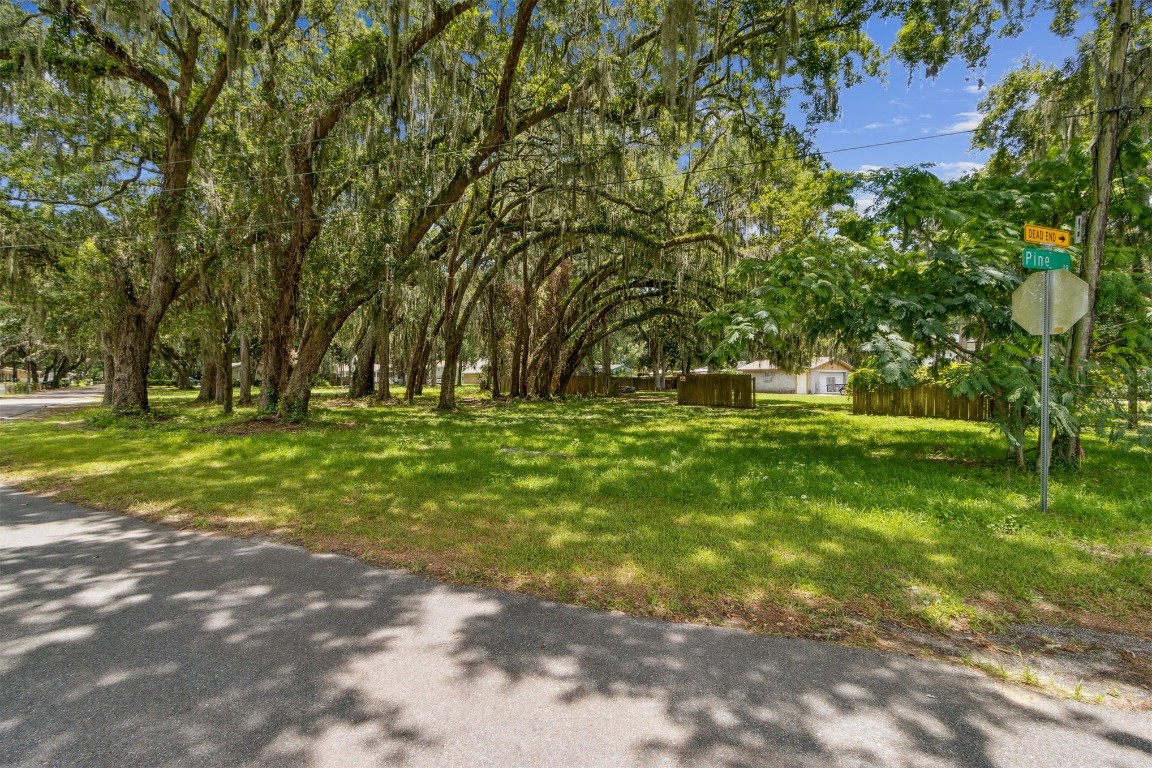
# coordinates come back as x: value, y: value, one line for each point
x: 795, y: 518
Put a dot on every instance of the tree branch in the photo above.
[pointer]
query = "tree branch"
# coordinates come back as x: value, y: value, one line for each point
x: 73, y: 11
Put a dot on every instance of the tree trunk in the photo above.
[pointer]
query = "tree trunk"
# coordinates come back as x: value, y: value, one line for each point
x: 208, y: 378
x: 363, y: 375
x: 419, y: 358
x: 297, y: 392
x: 52, y: 372
x: 109, y: 373
x: 493, y: 344
x: 208, y: 367
x: 1111, y: 127
x: 567, y: 371
x: 49, y: 371
x: 132, y: 357
x: 224, y: 376
x: 452, y: 344
x: 515, y: 375
x: 1133, y: 397
x: 66, y: 366
x: 182, y: 375
x: 245, y: 370
x: 276, y: 344
x: 606, y: 355
x: 384, y: 346
x: 658, y: 362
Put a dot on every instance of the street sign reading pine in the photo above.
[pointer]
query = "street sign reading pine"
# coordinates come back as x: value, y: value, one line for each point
x: 1042, y: 258
x: 1047, y: 236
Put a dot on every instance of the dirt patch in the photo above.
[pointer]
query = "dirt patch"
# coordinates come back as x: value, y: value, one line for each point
x: 761, y: 616
x: 256, y: 426
x: 484, y: 402
x: 349, y: 402
x: 944, y: 454
x: 1104, y: 667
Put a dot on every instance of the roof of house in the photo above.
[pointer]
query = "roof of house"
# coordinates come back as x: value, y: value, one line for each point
x: 758, y: 365
x: 822, y: 361
x: 768, y: 365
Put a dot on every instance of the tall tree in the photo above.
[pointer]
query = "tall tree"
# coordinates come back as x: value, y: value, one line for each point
x: 177, y: 57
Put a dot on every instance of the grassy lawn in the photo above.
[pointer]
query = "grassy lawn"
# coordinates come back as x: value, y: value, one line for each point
x: 794, y: 518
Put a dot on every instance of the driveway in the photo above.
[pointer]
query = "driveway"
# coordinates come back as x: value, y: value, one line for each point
x: 124, y: 643
x: 23, y: 405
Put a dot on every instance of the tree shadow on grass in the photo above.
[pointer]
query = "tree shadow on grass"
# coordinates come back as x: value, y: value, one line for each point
x: 746, y: 500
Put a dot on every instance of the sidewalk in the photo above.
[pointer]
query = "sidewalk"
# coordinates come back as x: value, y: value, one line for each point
x: 124, y: 643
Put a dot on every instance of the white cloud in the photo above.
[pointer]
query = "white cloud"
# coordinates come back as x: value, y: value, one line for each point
x: 950, y: 171
x: 867, y: 168
x: 898, y: 120
x: 970, y: 121
x: 973, y: 89
x: 863, y: 203
x: 894, y: 122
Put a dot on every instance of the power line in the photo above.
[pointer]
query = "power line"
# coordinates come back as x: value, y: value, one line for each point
x: 575, y: 188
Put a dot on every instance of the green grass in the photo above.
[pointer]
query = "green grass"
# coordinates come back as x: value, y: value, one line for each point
x: 796, y: 517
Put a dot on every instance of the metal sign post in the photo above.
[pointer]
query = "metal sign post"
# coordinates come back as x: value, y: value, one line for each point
x: 1045, y: 405
x: 1050, y: 301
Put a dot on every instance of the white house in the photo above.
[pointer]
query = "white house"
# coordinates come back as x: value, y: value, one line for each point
x: 825, y: 376
x: 475, y: 372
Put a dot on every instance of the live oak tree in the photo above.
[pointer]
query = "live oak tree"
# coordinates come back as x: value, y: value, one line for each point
x: 175, y: 60
x: 542, y: 62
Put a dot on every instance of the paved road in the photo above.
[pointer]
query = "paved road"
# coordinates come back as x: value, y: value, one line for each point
x: 23, y: 405
x: 129, y: 644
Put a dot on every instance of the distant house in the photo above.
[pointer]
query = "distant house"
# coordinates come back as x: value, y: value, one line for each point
x: 825, y: 376
x: 474, y: 373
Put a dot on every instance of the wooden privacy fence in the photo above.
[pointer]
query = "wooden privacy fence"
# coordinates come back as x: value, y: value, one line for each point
x: 727, y: 390
x: 610, y: 385
x: 921, y: 400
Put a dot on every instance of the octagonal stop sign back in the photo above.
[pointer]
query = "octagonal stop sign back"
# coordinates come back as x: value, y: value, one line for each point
x: 1069, y: 302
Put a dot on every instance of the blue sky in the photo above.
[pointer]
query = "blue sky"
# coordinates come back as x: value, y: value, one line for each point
x: 877, y: 112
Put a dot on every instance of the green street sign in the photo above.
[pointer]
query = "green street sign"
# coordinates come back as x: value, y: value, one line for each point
x: 1042, y: 258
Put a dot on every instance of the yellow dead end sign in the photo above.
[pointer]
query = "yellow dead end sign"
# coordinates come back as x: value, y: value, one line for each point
x: 1047, y: 236
x: 1068, y: 302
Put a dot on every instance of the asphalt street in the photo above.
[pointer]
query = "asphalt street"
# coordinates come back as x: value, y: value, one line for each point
x: 124, y: 643
x: 24, y: 405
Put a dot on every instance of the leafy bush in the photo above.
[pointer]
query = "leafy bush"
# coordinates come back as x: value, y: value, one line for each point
x: 864, y: 380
